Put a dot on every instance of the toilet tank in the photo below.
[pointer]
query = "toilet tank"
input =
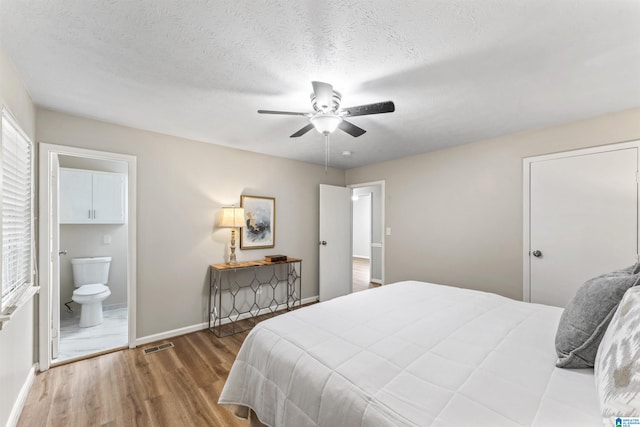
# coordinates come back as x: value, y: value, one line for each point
x: 88, y: 271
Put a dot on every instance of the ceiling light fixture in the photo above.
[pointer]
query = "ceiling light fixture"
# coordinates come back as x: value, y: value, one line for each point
x: 325, y: 123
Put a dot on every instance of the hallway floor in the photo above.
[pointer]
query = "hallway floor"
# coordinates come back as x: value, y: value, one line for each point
x: 361, y: 275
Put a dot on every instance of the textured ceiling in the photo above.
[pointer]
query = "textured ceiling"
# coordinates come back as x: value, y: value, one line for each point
x: 458, y: 71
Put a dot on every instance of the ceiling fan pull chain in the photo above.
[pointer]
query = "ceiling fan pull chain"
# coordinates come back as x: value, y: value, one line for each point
x: 326, y: 152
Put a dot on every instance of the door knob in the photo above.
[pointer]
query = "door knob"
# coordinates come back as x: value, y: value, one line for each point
x: 323, y: 243
x: 62, y: 252
x: 536, y: 254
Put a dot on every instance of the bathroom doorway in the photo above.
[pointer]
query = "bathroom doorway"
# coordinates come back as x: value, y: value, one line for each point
x: 72, y: 234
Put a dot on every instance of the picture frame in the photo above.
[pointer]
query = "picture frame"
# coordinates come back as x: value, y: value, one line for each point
x: 259, y: 231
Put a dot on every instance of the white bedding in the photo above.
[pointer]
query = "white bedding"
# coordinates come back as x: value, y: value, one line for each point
x: 411, y: 353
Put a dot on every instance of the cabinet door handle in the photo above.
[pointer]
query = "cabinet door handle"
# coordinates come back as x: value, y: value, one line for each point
x: 89, y: 213
x: 94, y: 214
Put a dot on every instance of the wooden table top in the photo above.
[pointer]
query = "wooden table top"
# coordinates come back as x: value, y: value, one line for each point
x: 257, y: 263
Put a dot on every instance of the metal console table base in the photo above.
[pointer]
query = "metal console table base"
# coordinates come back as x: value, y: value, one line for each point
x: 253, y: 277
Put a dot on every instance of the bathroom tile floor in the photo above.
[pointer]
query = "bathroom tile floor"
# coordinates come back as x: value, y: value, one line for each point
x: 77, y: 342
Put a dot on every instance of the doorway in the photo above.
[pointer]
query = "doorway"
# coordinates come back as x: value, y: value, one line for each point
x: 367, y: 235
x: 62, y: 339
x: 361, y: 240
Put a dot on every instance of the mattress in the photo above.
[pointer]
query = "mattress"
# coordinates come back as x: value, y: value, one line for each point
x: 411, y: 354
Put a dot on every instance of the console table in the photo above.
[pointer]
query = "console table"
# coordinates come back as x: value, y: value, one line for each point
x: 250, y: 289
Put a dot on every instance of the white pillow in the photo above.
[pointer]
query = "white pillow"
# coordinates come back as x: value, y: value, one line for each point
x: 617, y: 364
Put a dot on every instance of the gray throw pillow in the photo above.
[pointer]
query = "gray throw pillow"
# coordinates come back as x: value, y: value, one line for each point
x: 586, y: 317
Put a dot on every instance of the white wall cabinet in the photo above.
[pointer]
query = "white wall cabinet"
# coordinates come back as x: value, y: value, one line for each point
x: 91, y: 197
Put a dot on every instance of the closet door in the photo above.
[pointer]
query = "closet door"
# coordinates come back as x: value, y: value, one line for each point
x: 583, y: 220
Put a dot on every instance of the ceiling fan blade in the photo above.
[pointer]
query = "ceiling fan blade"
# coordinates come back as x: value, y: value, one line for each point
x: 286, y: 113
x: 302, y: 131
x: 351, y: 129
x: 377, y: 108
x: 324, y: 95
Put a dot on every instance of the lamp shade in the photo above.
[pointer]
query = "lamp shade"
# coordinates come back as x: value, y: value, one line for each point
x: 232, y: 217
x: 325, y: 123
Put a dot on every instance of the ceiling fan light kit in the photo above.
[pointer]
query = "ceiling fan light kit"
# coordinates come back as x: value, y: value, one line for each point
x: 325, y: 123
x: 327, y: 116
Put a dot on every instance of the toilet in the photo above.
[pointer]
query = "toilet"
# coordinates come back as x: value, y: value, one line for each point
x: 90, y: 277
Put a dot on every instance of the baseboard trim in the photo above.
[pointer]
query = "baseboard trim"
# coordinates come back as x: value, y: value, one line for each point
x: 172, y: 333
x: 310, y: 300
x: 361, y: 257
x: 378, y: 281
x: 200, y: 326
x: 14, y: 416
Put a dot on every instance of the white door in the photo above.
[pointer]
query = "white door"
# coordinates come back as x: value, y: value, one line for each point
x: 335, y: 268
x: 54, y: 245
x: 583, y: 220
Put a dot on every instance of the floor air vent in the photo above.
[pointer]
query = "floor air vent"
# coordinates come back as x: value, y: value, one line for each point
x: 158, y: 348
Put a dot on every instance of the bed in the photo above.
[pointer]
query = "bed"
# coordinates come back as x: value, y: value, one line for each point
x: 411, y: 354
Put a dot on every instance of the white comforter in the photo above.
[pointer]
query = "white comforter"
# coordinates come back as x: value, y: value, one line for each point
x: 411, y: 353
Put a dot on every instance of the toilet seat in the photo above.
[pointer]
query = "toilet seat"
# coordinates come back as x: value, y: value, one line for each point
x: 90, y: 290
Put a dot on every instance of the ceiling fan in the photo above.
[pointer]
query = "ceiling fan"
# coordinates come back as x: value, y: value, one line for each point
x: 327, y: 114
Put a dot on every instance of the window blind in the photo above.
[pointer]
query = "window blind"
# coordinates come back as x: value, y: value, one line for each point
x: 17, y: 230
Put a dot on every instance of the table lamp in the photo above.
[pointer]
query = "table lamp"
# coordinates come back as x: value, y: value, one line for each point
x: 233, y: 218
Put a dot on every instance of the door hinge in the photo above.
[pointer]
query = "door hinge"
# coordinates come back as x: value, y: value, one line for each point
x: 637, y: 176
x: 54, y: 332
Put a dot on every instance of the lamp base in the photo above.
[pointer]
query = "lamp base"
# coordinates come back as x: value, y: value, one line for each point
x: 232, y: 255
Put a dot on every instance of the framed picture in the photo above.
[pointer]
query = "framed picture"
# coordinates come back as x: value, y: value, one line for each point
x: 259, y: 230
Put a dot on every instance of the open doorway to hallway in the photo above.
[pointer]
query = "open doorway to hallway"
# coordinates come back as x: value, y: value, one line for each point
x: 367, y: 235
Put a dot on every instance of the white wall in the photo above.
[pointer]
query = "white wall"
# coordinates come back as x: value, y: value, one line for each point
x: 456, y: 214
x: 17, y: 337
x: 182, y: 185
x: 362, y: 226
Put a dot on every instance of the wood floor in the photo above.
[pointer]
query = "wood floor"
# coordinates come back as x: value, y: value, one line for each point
x: 361, y: 275
x: 173, y: 387
x: 178, y: 386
